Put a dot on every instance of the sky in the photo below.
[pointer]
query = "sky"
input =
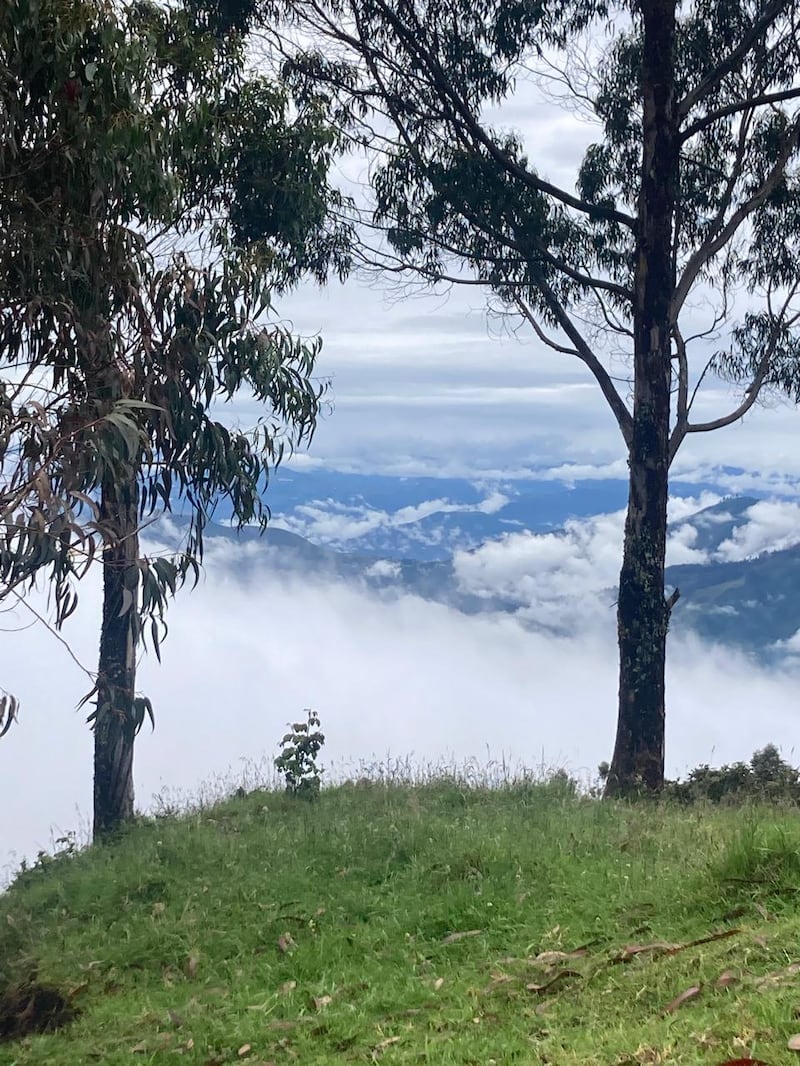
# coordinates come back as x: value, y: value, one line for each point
x: 430, y: 386
x: 425, y: 384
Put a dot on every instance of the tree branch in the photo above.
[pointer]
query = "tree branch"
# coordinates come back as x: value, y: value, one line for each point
x: 754, y: 388
x: 610, y: 319
x: 54, y: 633
x: 540, y: 333
x: 682, y: 412
x: 711, y: 246
x: 733, y: 60
x: 750, y: 397
x: 732, y: 109
x: 587, y: 356
x: 415, y: 46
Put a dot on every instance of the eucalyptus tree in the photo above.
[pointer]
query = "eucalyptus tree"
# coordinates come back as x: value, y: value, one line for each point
x: 688, y: 196
x: 153, y: 194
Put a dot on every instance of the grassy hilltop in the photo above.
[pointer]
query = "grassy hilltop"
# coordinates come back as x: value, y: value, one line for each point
x: 436, y: 924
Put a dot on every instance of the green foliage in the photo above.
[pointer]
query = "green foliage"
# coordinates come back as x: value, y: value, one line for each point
x: 298, y: 758
x: 455, y: 190
x: 766, y: 777
x: 126, y: 131
x: 66, y: 848
x: 154, y: 194
x: 193, y: 937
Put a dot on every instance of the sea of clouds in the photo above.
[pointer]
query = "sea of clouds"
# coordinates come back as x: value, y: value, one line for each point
x: 390, y: 679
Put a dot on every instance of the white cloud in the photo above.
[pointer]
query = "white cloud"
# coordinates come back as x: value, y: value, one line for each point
x: 792, y: 645
x: 681, y: 546
x: 564, y: 579
x: 559, y: 577
x: 332, y: 522
x: 571, y: 472
x: 683, y: 506
x: 771, y: 525
x: 383, y: 568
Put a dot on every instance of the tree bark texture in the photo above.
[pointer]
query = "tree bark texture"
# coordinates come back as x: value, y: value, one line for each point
x: 115, y: 731
x: 642, y: 611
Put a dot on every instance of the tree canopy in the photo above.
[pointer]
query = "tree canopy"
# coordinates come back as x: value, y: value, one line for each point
x: 687, y: 199
x: 154, y: 193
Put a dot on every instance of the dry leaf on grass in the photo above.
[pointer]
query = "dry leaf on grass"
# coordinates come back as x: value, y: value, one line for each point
x: 437, y: 984
x: 661, y: 947
x: 557, y: 979
x: 733, y: 913
x: 452, y: 938
x: 551, y: 958
x: 497, y: 980
x: 684, y: 997
x: 770, y: 980
x: 321, y: 1002
x: 726, y: 979
x: 285, y: 942
x: 743, y: 1062
x: 245, y: 1049
x: 191, y: 966
x: 793, y: 1043
x: 379, y: 1049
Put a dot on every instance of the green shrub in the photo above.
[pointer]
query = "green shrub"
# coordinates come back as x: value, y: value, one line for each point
x: 298, y: 758
x: 766, y: 777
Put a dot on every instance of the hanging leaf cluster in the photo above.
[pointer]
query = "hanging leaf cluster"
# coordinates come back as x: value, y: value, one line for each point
x: 154, y: 194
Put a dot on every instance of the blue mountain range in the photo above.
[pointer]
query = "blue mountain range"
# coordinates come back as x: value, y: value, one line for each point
x: 398, y: 536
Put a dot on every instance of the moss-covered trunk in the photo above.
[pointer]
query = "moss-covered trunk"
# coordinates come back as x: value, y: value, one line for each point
x: 643, y: 613
x: 115, y: 731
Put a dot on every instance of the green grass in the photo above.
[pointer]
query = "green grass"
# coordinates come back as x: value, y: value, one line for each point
x: 271, y: 930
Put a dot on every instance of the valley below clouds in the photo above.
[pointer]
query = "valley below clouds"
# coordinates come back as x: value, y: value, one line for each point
x: 524, y: 669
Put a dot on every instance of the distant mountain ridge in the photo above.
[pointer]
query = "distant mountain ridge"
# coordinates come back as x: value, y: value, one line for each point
x: 753, y: 604
x: 428, y: 518
x: 716, y: 524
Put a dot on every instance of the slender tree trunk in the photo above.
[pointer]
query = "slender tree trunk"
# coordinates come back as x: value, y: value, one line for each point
x: 643, y: 613
x: 115, y: 731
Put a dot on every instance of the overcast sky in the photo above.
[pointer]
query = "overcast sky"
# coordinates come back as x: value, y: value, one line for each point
x: 423, y: 385
x: 430, y: 386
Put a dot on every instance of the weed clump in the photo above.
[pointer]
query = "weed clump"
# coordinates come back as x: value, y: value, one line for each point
x: 759, y: 858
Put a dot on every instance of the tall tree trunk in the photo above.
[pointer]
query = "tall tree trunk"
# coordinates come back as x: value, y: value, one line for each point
x: 643, y: 613
x: 115, y: 730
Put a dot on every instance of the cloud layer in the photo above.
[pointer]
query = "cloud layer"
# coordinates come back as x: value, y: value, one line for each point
x: 406, y: 677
